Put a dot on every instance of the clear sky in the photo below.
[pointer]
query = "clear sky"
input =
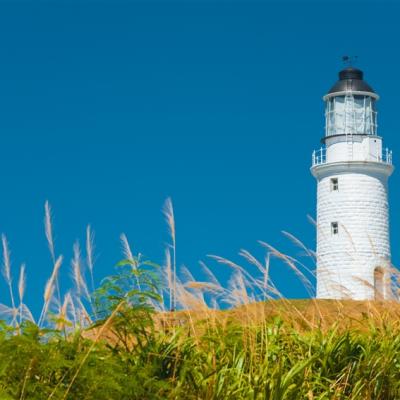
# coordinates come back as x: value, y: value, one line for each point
x: 107, y: 108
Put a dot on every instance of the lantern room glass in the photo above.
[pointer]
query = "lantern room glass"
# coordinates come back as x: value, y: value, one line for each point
x: 350, y: 114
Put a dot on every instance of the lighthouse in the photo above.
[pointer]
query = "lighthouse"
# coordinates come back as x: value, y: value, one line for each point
x: 352, y: 169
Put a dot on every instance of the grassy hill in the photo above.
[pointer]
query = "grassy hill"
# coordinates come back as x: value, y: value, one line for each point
x: 300, y: 314
x: 118, y: 342
x: 281, y: 349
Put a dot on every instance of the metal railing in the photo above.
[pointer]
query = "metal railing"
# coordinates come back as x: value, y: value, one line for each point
x: 319, y: 157
x: 387, y: 156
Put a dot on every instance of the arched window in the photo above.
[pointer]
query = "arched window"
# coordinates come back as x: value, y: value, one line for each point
x: 379, y: 284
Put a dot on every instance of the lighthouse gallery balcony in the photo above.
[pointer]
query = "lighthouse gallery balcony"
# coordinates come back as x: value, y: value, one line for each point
x: 320, y: 157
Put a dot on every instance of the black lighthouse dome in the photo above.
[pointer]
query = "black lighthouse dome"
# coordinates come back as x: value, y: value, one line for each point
x: 351, y: 79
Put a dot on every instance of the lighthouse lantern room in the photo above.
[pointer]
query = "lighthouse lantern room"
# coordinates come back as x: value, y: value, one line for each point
x: 352, y: 170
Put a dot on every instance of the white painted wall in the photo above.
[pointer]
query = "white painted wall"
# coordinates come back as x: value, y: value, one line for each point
x: 355, y: 147
x: 346, y: 261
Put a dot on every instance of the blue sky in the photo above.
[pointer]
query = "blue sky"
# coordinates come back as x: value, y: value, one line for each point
x: 107, y: 108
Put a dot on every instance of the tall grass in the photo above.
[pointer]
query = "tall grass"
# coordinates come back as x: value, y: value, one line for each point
x: 122, y: 341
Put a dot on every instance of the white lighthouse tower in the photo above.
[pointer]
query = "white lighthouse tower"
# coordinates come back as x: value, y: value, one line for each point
x: 352, y: 170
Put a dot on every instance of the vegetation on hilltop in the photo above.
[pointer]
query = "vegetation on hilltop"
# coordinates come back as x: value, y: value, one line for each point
x: 120, y: 341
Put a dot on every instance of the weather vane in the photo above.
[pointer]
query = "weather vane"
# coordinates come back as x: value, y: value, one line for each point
x: 349, y: 60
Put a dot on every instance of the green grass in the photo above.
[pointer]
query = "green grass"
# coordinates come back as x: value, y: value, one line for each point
x: 274, y: 350
x: 223, y: 360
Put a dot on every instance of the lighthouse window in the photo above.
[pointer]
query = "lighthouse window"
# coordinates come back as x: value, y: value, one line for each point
x: 334, y: 228
x: 334, y: 184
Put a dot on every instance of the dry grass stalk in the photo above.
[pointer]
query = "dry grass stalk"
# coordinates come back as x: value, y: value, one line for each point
x: 48, y: 229
x: 83, y: 315
x: 202, y: 286
x: 168, y: 273
x: 21, y: 290
x: 238, y: 293
x: 77, y: 273
x: 289, y: 261
x: 49, y: 289
x: 169, y: 216
x: 7, y: 273
x: 62, y: 317
x: 225, y: 261
x: 26, y: 377
x: 21, y: 283
x: 126, y: 248
x: 127, y: 252
x: 90, y: 254
x: 209, y: 274
x: 300, y: 244
x: 48, y: 294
